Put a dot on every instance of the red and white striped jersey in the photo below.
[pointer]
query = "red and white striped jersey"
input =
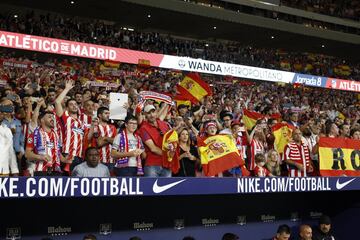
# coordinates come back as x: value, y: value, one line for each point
x: 299, y: 154
x: 256, y: 147
x: 25, y: 131
x: 45, y: 143
x: 86, y: 119
x: 74, y: 131
x: 107, y: 130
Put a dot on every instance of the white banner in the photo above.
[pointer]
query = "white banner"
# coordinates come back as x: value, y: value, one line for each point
x: 220, y: 68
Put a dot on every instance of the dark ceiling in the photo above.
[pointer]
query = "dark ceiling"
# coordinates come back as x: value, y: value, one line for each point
x: 187, y: 25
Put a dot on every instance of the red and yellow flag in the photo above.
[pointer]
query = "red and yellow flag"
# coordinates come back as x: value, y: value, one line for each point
x: 218, y: 153
x: 182, y: 100
x: 339, y: 156
x: 282, y: 133
x: 111, y: 64
x: 170, y: 151
x: 249, y: 118
x: 193, y: 88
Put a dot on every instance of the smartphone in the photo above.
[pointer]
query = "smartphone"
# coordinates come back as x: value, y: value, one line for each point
x: 6, y: 109
x: 11, y: 97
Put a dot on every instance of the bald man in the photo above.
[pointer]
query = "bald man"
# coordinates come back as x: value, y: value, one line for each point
x: 305, y: 232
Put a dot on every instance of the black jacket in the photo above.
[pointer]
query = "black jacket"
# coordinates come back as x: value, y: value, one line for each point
x: 319, y: 235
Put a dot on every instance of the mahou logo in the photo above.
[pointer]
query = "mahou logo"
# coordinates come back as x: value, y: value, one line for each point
x: 143, y: 226
x: 59, y: 231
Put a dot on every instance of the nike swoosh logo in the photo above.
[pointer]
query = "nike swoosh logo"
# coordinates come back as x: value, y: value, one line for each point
x: 160, y: 189
x: 342, y: 185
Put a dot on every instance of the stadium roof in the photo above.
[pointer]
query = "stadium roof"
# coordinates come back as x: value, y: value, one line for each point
x: 188, y: 25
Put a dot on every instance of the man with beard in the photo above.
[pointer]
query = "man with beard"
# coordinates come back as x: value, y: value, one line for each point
x: 73, y: 128
x: 105, y: 137
x: 152, y: 132
x: 44, y: 148
x: 323, y: 231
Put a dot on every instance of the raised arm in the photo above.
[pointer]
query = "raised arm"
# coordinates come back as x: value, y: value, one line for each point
x: 58, y: 107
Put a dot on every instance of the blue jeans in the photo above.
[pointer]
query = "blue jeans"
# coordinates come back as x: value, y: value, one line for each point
x: 125, y: 171
x: 156, y: 171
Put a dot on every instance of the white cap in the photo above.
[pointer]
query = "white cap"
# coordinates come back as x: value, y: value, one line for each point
x: 148, y: 108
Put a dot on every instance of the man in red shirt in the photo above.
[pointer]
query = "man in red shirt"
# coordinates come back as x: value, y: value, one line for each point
x: 152, y: 131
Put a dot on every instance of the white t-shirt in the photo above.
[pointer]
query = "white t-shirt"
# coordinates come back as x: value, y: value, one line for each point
x: 132, y: 141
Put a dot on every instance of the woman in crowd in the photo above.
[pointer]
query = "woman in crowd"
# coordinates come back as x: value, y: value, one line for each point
x: 188, y: 155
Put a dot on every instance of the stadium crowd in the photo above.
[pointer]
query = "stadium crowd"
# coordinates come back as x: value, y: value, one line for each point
x: 97, y: 32
x: 57, y: 114
x: 56, y: 119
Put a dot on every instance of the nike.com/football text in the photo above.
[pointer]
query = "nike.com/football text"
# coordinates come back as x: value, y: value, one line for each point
x: 70, y: 187
x: 253, y: 185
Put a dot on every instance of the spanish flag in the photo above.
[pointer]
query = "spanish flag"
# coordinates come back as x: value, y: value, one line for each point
x: 182, y: 100
x: 339, y: 156
x: 111, y: 64
x: 282, y: 133
x: 218, y: 153
x: 193, y: 88
x: 171, y: 151
x: 249, y: 118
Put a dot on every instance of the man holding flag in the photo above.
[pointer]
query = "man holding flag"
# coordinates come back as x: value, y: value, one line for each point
x: 218, y: 153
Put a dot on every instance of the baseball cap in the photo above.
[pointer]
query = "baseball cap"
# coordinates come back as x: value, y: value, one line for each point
x: 148, y: 108
x: 324, y: 219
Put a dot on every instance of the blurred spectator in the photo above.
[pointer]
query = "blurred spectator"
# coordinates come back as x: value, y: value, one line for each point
x: 135, y: 238
x: 283, y: 233
x: 89, y: 237
x: 8, y: 162
x: 230, y: 236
